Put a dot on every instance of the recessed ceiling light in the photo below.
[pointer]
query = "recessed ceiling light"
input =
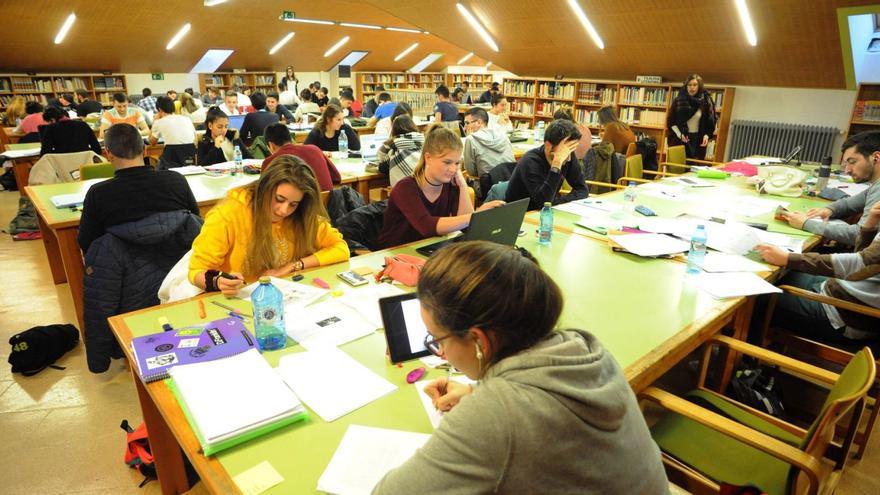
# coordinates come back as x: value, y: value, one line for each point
x: 746, y: 20
x: 177, y: 37
x: 477, y: 26
x: 211, y: 3
x: 488, y: 64
x: 406, y: 52
x: 403, y: 30
x: 64, y: 28
x: 310, y: 21
x: 588, y: 26
x: 465, y: 58
x: 355, y: 25
x: 336, y: 46
x: 281, y: 43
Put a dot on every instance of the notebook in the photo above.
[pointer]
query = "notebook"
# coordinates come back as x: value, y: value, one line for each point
x: 68, y: 200
x: 157, y: 353
x: 232, y: 400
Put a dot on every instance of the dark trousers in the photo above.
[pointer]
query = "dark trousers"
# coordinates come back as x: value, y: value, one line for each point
x: 693, y: 148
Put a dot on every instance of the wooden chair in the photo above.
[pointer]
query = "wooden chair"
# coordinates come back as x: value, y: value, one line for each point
x: 631, y: 150
x: 635, y: 172
x: 325, y: 198
x: 677, y: 161
x: 736, y: 444
x: 101, y: 170
x: 830, y: 353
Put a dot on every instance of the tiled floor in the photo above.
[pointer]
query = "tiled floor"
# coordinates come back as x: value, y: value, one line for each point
x: 59, y: 430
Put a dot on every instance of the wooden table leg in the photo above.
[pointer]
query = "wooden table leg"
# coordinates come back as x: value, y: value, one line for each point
x: 741, y: 321
x: 50, y: 243
x: 21, y: 168
x: 166, y: 451
x: 363, y: 187
x: 73, y: 268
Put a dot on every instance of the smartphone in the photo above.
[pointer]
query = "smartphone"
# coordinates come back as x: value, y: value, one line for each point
x: 352, y: 278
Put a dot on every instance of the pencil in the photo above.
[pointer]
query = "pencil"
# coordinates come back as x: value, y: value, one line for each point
x: 201, y: 309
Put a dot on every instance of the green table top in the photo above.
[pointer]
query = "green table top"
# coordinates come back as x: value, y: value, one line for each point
x: 23, y: 146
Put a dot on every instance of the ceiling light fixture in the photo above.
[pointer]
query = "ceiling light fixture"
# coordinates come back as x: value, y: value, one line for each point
x: 64, y: 28
x: 488, y: 64
x: 281, y: 43
x: 465, y: 58
x: 403, y: 30
x: 310, y: 21
x: 746, y: 20
x: 336, y: 46
x: 477, y: 26
x: 177, y: 37
x: 212, y: 3
x: 356, y: 25
x: 579, y: 13
x: 406, y: 52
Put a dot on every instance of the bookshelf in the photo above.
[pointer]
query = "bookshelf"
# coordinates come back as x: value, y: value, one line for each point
x: 643, y: 106
x: 478, y: 82
x: 222, y: 81
x: 42, y: 87
x: 366, y: 82
x: 866, y: 110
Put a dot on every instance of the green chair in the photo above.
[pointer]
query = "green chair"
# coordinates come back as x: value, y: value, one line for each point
x: 709, y: 438
x: 96, y: 171
x: 677, y: 161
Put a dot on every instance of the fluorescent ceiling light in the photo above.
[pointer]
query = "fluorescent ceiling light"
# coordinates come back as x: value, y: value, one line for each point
x: 355, y: 25
x: 579, y: 12
x: 311, y: 21
x: 211, y: 3
x: 746, y: 20
x: 465, y: 58
x: 353, y: 57
x: 477, y: 26
x: 177, y: 37
x: 336, y: 46
x: 488, y: 64
x: 210, y: 61
x: 406, y: 52
x: 281, y: 43
x: 425, y: 62
x: 64, y: 29
x: 403, y: 30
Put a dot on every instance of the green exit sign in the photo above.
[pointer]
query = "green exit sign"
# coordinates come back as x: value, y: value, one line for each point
x: 158, y: 76
x: 287, y: 15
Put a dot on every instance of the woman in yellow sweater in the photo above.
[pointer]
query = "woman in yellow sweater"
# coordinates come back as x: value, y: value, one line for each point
x: 274, y: 226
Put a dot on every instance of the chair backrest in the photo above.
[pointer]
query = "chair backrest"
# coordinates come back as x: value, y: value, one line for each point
x: 631, y: 150
x: 96, y: 171
x: 634, y: 166
x: 325, y: 198
x: 676, y: 154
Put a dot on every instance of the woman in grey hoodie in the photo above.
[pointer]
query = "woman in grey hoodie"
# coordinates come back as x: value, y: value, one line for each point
x: 553, y: 412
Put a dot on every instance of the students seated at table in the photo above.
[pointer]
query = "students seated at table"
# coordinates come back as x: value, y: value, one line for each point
x: 274, y: 226
x: 32, y: 120
x: 321, y: 97
x: 465, y: 96
x: 484, y: 147
x: 211, y: 98
x: 219, y: 142
x: 383, y: 126
x: 455, y: 97
x: 61, y: 134
x: 273, y: 105
x: 15, y: 111
x: 691, y: 118
x: 538, y: 174
x: 384, y: 110
x: 372, y: 104
x: 325, y: 134
x: 586, y: 141
x: 853, y: 277
x: 255, y: 122
x: 171, y: 94
x: 444, y: 110
x: 614, y: 130
x: 280, y: 143
x: 148, y: 102
x: 434, y: 200
x: 63, y: 102
x: 122, y: 113
x: 486, y: 97
x: 498, y: 113
x: 171, y: 128
x: 230, y: 104
x: 190, y: 108
x: 354, y: 107
x: 85, y: 105
x: 135, y: 191
x: 399, y: 155
x: 243, y: 98
x: 306, y: 107
x: 553, y: 412
x: 861, y: 160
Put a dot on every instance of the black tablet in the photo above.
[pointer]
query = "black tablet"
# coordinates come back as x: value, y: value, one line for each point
x: 404, y: 329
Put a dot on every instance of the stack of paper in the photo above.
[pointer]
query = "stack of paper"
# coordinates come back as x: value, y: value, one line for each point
x: 721, y: 262
x: 723, y: 285
x: 650, y: 245
x: 189, y: 170
x: 365, y: 456
x: 326, y: 324
x: 589, y: 207
x: 690, y: 181
x: 366, y: 301
x: 231, y: 400
x: 750, y: 206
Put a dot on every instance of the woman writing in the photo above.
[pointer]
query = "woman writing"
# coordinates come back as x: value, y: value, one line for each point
x: 691, y: 119
x: 325, y: 134
x: 434, y: 200
x: 553, y: 412
x: 219, y: 142
x: 275, y: 226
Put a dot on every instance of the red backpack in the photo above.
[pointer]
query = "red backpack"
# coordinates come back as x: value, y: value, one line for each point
x: 137, y: 451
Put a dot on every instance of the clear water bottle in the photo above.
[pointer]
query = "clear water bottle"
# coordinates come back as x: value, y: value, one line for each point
x: 545, y: 230
x: 269, y: 326
x: 630, y: 194
x: 697, y: 253
x: 236, y: 157
x: 539, y: 132
x: 343, y: 142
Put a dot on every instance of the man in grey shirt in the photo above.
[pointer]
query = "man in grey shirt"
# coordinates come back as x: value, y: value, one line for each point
x: 861, y: 154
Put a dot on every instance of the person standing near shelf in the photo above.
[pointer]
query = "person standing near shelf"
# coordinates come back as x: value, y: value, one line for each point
x: 290, y: 83
x: 691, y: 118
x: 613, y: 130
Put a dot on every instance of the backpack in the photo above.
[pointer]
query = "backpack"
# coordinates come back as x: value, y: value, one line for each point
x: 754, y: 387
x: 37, y: 348
x: 647, y: 147
x: 26, y: 218
x: 137, y: 451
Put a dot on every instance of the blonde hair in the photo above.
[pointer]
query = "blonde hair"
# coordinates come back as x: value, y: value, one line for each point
x: 300, y: 228
x: 188, y: 103
x: 15, y: 110
x: 438, y: 140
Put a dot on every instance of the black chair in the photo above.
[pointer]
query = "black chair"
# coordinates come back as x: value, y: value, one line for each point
x: 177, y: 155
x: 499, y: 173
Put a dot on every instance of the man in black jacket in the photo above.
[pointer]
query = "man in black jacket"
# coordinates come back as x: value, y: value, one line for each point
x: 84, y: 105
x: 256, y: 122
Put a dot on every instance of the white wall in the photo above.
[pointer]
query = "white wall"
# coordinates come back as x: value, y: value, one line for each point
x: 176, y: 81
x: 866, y: 65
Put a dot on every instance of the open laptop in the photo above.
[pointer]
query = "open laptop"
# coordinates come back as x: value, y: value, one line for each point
x: 370, y: 144
x: 499, y: 225
x: 235, y: 122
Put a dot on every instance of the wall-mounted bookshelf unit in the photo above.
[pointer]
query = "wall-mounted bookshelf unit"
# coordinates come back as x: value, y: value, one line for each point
x: 642, y: 106
x: 866, y: 109
x: 366, y: 82
x: 222, y: 81
x: 478, y: 82
x: 42, y: 87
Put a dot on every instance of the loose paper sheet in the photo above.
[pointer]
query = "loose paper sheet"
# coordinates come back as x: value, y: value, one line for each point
x: 724, y: 285
x: 258, y: 479
x: 650, y: 244
x: 715, y: 262
x: 326, y: 324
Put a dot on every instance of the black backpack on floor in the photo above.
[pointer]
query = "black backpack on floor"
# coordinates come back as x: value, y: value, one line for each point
x: 38, y: 348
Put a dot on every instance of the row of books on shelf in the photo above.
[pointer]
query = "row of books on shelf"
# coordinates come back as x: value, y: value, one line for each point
x: 265, y: 80
x: 586, y: 117
x: 641, y: 116
x: 717, y: 97
x: 70, y: 84
x: 214, y: 80
x: 868, y: 110
x: 643, y: 96
x: 28, y: 84
x: 548, y: 108
x: 109, y: 83
x: 595, y: 94
x: 239, y: 80
x: 519, y: 88
x: 384, y: 78
x: 556, y: 90
x: 519, y: 107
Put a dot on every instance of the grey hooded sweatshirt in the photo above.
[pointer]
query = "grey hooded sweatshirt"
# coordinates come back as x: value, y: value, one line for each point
x: 484, y: 149
x: 557, y: 418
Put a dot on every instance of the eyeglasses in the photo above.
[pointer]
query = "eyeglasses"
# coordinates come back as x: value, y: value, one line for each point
x: 433, y: 344
x: 469, y: 122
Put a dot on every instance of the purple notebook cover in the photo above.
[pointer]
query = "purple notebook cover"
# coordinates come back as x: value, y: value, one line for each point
x: 157, y: 353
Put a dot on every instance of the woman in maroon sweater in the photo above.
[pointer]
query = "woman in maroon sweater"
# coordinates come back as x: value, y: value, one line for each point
x: 433, y: 201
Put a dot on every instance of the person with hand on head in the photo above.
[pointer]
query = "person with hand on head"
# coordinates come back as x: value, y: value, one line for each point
x: 385, y: 109
x: 190, y: 108
x: 691, y: 119
x: 538, y: 174
x: 325, y: 134
x: 486, y: 97
x: 373, y: 103
x: 219, y: 141
x: 852, y: 277
x: 274, y: 226
x: 861, y: 160
x: 552, y: 413
x: 434, y: 200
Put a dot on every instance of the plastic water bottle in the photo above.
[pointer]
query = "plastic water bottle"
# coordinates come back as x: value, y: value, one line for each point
x: 539, y: 132
x: 269, y: 326
x: 545, y: 230
x: 697, y: 253
x: 630, y: 194
x: 343, y: 142
x: 824, y: 174
x: 236, y: 154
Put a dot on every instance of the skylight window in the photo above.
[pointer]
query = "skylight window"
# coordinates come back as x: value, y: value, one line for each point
x: 211, y: 61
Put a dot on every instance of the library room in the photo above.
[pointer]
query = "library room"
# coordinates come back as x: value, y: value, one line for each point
x: 448, y: 246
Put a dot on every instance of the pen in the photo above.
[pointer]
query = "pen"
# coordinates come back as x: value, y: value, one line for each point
x: 201, y: 309
x: 229, y: 308
x: 238, y: 315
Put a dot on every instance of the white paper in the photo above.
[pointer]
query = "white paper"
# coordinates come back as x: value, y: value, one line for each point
x: 848, y: 188
x: 731, y: 238
x: 189, y: 170
x: 433, y: 361
x: 721, y: 262
x: 790, y: 243
x: 589, y: 207
x: 690, y: 181
x: 12, y: 154
x: 434, y: 415
x: 663, y: 191
x: 650, y: 244
x: 332, y: 383
x: 295, y: 293
x: 365, y: 300
x: 750, y: 206
x: 599, y: 223
x: 326, y: 324
x: 66, y: 200
x: 760, y: 160
x: 681, y: 227
x: 723, y: 285
x: 227, y: 166
x: 364, y: 457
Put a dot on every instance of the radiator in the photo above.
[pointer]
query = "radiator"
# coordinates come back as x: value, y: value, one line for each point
x: 776, y: 139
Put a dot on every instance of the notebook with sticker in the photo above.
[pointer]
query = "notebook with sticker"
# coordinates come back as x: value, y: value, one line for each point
x: 156, y: 353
